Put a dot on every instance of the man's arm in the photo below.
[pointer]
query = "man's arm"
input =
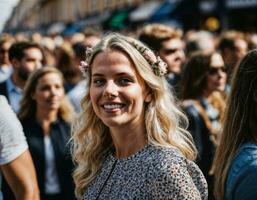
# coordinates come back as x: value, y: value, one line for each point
x: 21, y: 177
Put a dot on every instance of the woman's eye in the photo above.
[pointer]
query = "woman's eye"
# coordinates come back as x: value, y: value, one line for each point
x: 124, y: 81
x: 98, y: 82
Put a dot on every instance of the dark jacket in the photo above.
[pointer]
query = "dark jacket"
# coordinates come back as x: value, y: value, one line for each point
x: 242, y: 175
x: 60, y: 135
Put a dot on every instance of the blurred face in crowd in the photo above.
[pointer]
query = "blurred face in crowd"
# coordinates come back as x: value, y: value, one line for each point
x: 233, y: 56
x: 216, y: 75
x: 4, y: 57
x: 240, y: 49
x: 31, y: 61
x: 172, y: 52
x: 49, y: 92
x: 91, y: 41
x: 117, y: 91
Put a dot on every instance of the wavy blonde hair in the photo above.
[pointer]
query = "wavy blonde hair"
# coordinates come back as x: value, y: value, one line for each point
x: 28, y: 104
x: 239, y: 119
x: 165, y: 123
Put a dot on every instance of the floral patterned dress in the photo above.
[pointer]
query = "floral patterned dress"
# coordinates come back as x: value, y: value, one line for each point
x: 152, y: 173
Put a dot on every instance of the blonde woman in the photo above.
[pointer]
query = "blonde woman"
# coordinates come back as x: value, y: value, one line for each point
x: 129, y: 142
x: 46, y: 115
x: 236, y: 158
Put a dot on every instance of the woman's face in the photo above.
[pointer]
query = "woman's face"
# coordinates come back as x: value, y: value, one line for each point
x: 49, y: 92
x: 216, y: 77
x: 117, y: 92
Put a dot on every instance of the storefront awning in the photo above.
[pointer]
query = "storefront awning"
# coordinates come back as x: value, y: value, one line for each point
x: 119, y: 19
x: 164, y: 11
x: 144, y: 12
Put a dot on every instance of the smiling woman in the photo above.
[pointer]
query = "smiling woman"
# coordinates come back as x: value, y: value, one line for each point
x: 129, y: 142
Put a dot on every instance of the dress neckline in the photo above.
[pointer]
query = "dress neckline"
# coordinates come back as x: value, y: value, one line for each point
x: 135, y: 155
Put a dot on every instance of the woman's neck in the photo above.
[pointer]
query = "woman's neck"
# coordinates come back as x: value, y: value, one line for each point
x: 207, y: 94
x: 45, y: 118
x: 129, y: 141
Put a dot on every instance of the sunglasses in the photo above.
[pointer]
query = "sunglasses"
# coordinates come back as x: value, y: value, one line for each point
x: 215, y: 70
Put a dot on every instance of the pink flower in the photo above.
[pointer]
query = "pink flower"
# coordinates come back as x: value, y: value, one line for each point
x: 149, y: 56
x: 162, y: 66
x: 83, y: 67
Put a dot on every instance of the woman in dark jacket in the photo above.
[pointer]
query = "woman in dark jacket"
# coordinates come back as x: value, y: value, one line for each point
x: 46, y: 115
x: 203, y: 81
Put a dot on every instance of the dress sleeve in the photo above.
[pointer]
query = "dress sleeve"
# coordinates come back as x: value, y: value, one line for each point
x: 174, y: 181
x: 12, y: 139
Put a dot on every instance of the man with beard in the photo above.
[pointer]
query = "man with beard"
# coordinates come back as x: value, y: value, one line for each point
x: 25, y: 58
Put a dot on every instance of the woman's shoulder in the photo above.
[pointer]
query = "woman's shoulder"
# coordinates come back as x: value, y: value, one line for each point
x: 162, y: 158
x: 242, y: 174
x: 190, y: 107
x: 169, y: 167
x: 246, y: 158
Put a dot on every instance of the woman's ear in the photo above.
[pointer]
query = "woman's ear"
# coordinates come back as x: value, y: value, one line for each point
x: 148, y: 97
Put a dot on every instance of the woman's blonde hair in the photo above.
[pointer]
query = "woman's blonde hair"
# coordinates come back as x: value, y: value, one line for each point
x: 28, y: 104
x: 239, y: 119
x: 165, y: 124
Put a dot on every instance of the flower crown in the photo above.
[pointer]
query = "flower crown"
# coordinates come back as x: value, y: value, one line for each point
x: 159, y: 67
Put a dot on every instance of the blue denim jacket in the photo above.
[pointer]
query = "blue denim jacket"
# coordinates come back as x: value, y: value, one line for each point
x: 242, y: 176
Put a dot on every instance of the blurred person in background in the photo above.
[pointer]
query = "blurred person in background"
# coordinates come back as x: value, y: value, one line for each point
x: 5, y: 65
x: 168, y: 43
x: 202, y: 81
x: 65, y: 62
x: 25, y: 58
x: 233, y: 47
x: 236, y: 159
x: 46, y: 115
x: 77, y: 93
x: 251, y: 39
x: 199, y: 41
x: 15, y: 160
x: 48, y: 47
x: 92, y: 37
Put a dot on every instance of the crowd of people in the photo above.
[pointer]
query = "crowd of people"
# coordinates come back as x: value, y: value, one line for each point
x: 153, y: 114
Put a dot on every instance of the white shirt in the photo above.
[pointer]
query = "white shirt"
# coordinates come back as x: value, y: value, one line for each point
x: 52, y: 185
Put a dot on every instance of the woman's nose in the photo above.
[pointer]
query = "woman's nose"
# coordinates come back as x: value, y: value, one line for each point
x: 110, y: 89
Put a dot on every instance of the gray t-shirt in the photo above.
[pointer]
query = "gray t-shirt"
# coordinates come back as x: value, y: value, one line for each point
x: 12, y: 140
